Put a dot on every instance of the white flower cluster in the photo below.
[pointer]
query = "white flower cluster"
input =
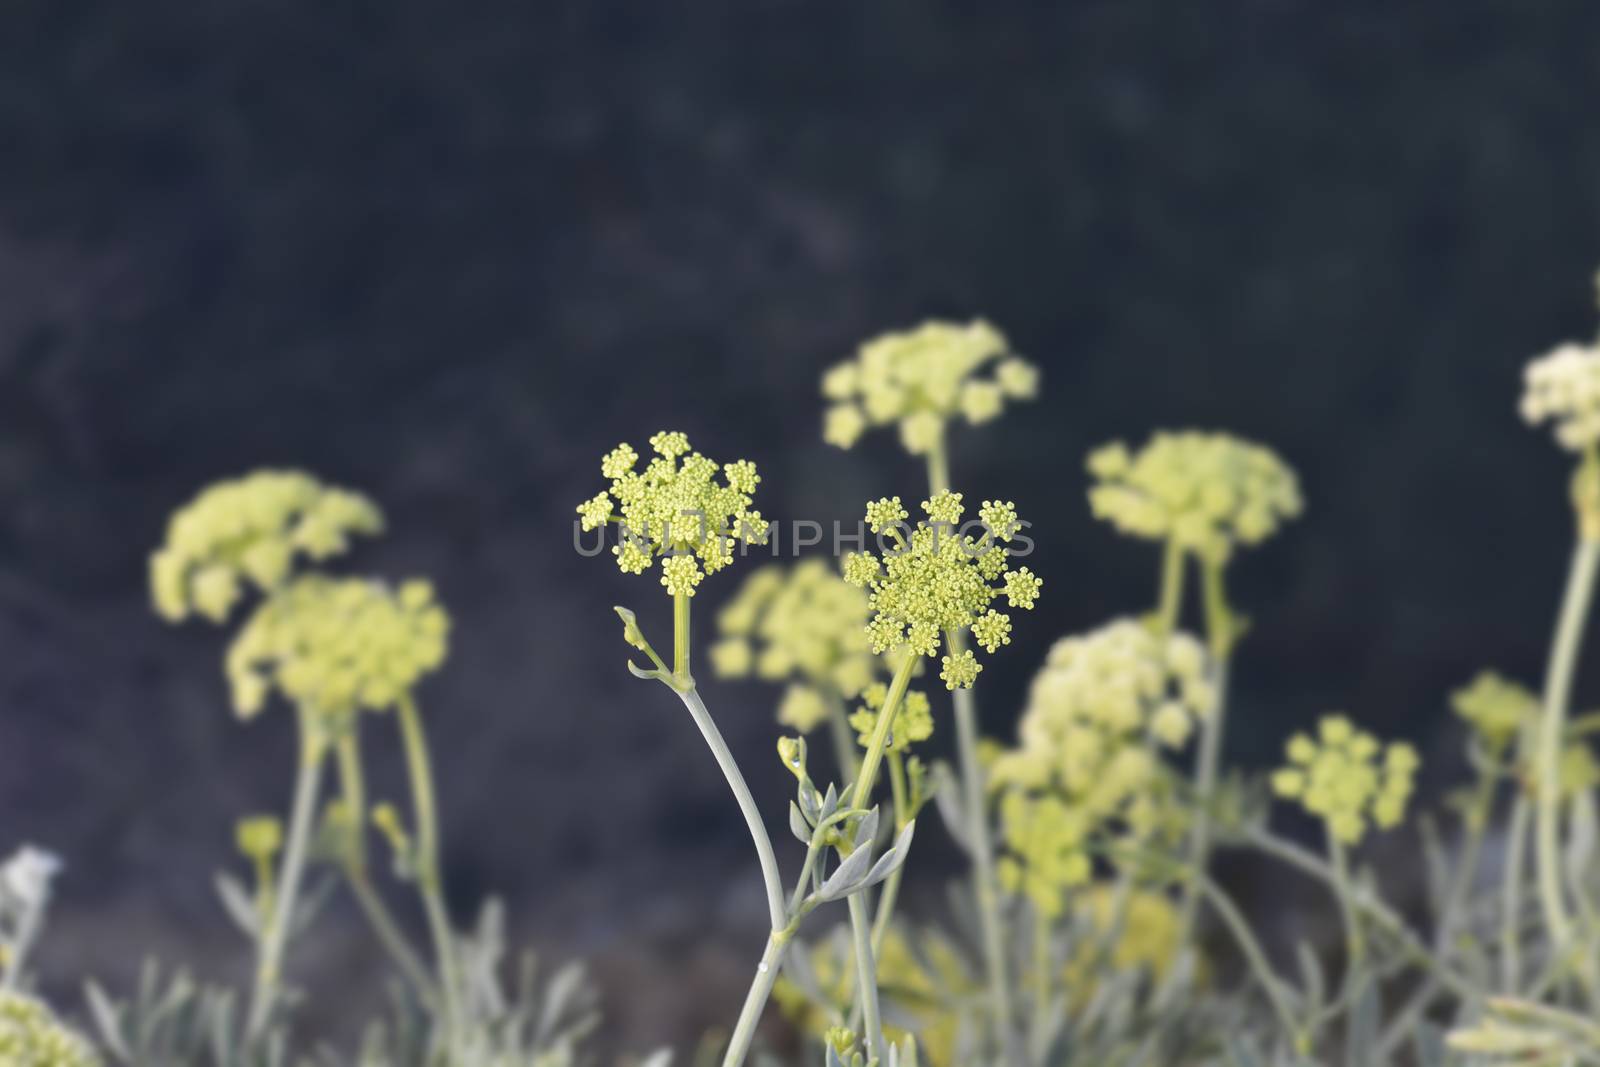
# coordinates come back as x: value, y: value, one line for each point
x: 1563, y: 388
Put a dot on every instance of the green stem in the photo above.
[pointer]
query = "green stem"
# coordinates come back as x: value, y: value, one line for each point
x: 269, y: 968
x: 866, y: 973
x: 938, y: 467
x: 755, y: 1001
x: 891, y: 885
x: 747, y: 803
x: 426, y: 813
x: 880, y: 733
x: 977, y: 828
x: 1557, y: 694
x: 1170, y: 601
x: 844, y: 738
x: 1368, y: 905
x: 1456, y: 895
x: 1266, y: 977
x: 377, y: 913
x: 1512, y: 875
x: 680, y: 636
x: 1041, y: 985
x: 1220, y: 636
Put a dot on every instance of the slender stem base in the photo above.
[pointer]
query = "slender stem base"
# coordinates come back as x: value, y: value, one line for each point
x: 428, y: 881
x: 275, y: 938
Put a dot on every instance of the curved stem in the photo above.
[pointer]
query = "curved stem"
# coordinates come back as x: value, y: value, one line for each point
x: 1207, y: 762
x: 1455, y: 898
x: 1557, y: 694
x: 747, y: 803
x: 1169, y: 602
x: 274, y: 939
x: 1266, y: 977
x: 1364, y: 902
x: 426, y: 814
x: 377, y: 913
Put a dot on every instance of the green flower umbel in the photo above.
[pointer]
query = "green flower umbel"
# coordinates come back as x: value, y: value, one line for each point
x: 676, y: 509
x: 1345, y: 776
x: 31, y: 1036
x: 334, y: 646
x: 1208, y: 492
x: 933, y: 580
x: 249, y: 531
x: 923, y: 378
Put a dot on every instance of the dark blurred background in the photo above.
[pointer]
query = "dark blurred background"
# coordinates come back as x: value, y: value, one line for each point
x: 450, y: 254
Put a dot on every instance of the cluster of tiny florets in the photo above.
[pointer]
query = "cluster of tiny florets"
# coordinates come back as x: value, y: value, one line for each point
x: 1345, y: 776
x: 921, y: 378
x: 803, y: 622
x: 1496, y: 708
x: 1207, y: 491
x: 913, y: 718
x: 249, y: 531
x: 333, y: 646
x: 31, y: 1036
x: 935, y: 580
x: 1563, y: 388
x: 1084, y: 755
x: 676, y: 508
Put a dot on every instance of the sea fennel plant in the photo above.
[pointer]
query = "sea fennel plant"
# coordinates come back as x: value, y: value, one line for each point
x: 924, y: 379
x: 929, y: 582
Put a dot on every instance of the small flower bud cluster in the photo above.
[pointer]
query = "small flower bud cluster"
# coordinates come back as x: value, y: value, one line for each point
x: 913, y: 719
x: 31, y: 1036
x: 939, y: 580
x: 1563, y: 388
x: 1496, y: 708
x: 249, y: 531
x: 802, y: 622
x: 1346, y: 776
x: 1208, y: 491
x: 921, y: 379
x: 1084, y: 757
x: 676, y: 509
x: 334, y: 646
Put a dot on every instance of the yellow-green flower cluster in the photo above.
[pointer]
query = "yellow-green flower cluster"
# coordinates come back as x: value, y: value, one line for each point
x: 1496, y: 707
x: 1086, y: 756
x: 677, y: 509
x: 804, y: 622
x: 31, y: 1036
x: 937, y: 580
x: 248, y: 531
x: 922, y: 378
x: 1149, y: 936
x: 333, y: 646
x: 1563, y: 388
x: 1207, y: 491
x: 913, y: 719
x: 1346, y: 776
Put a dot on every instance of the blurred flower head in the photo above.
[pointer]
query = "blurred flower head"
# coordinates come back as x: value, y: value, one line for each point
x: 677, y: 509
x: 1345, y: 777
x: 1495, y: 707
x: 1563, y: 389
x: 921, y: 379
x: 334, y: 646
x: 1085, y: 757
x: 31, y: 1036
x: 803, y: 622
x: 1210, y: 492
x: 913, y: 718
x: 248, y: 532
